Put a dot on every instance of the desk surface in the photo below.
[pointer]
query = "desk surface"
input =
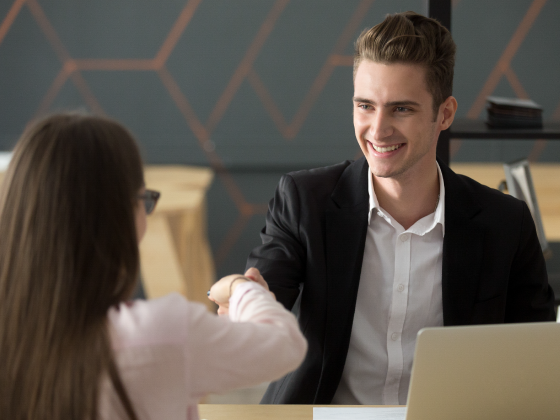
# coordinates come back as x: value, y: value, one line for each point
x: 260, y: 412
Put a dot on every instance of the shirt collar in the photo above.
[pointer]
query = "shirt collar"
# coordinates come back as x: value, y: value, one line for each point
x: 439, y: 215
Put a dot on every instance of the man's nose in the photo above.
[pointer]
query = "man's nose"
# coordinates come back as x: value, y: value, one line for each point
x: 381, y: 126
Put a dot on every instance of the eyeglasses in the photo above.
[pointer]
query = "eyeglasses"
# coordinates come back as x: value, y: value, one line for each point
x: 150, y: 198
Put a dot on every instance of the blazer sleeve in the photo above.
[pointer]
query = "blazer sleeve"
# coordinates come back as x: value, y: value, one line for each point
x: 282, y: 255
x: 530, y: 298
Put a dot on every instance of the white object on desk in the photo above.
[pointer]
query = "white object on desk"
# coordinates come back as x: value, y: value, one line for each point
x: 5, y: 158
x: 359, y: 413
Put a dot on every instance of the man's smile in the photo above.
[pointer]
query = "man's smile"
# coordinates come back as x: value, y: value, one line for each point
x: 382, y: 150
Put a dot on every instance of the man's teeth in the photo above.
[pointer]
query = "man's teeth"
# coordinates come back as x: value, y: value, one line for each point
x: 386, y: 149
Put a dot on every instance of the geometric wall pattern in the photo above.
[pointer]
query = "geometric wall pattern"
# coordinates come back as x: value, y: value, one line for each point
x: 254, y: 88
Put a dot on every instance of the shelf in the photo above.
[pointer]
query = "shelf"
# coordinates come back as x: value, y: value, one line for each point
x: 476, y: 129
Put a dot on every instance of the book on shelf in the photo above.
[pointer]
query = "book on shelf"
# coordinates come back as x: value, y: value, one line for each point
x: 513, y: 113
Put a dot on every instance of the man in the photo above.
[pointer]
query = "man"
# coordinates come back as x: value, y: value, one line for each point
x: 369, y: 252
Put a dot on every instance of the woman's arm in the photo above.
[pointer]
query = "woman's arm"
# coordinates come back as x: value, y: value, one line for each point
x: 260, y: 341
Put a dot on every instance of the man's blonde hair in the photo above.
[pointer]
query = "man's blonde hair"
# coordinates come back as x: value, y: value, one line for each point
x: 410, y: 38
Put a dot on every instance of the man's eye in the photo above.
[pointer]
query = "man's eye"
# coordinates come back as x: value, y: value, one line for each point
x: 364, y: 106
x: 402, y: 109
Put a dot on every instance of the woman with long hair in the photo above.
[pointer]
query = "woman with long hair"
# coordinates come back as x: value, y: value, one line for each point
x: 72, y: 211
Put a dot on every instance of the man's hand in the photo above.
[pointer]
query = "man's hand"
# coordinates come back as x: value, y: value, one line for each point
x: 255, y: 275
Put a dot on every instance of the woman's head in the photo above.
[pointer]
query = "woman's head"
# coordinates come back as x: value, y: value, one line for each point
x: 69, y: 251
x: 70, y: 193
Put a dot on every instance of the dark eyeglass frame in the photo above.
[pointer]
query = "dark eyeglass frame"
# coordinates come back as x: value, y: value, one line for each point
x: 150, y: 198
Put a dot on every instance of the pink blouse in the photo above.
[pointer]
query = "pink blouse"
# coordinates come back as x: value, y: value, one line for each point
x: 171, y: 352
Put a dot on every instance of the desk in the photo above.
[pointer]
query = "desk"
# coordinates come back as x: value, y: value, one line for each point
x: 175, y: 254
x: 260, y: 412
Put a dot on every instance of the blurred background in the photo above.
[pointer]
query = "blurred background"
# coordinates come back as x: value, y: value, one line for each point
x: 255, y: 88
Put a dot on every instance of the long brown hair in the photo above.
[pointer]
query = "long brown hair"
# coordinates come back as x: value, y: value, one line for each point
x: 68, y: 252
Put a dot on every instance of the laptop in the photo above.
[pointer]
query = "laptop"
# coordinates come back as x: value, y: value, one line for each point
x: 494, y: 372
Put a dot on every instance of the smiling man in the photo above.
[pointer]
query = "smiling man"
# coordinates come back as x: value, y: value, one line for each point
x: 369, y: 252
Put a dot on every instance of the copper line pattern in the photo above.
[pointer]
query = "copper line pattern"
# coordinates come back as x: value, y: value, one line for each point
x: 115, y: 64
x: 231, y: 239
x: 265, y: 97
x: 201, y: 135
x: 540, y: 144
x: 556, y: 113
x: 454, y: 146
x: 241, y: 72
x: 341, y: 60
x: 10, y: 18
x: 176, y: 31
x: 184, y: 107
x: 515, y: 84
x: 536, y: 151
x: 504, y: 62
x: 87, y: 94
x: 259, y: 208
x: 325, y: 73
x: 300, y: 117
x: 71, y: 65
x: 53, y: 91
x: 64, y: 56
x: 48, y: 30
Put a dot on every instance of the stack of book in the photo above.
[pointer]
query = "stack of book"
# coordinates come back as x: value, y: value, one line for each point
x: 513, y: 113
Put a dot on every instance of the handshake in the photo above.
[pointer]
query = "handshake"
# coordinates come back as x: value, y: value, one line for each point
x: 222, y: 290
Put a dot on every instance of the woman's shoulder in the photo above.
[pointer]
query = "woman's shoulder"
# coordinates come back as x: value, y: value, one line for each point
x: 164, y: 320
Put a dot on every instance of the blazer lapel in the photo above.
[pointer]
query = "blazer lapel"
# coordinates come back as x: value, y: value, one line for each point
x: 462, y: 250
x: 345, y: 233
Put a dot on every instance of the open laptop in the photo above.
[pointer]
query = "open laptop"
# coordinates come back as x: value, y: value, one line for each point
x: 493, y: 372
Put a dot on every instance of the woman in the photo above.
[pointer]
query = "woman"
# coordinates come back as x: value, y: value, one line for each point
x: 72, y: 211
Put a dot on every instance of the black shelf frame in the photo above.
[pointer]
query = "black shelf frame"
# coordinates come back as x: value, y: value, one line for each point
x: 475, y: 129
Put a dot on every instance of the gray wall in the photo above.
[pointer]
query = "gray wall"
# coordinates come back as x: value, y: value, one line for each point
x: 254, y: 88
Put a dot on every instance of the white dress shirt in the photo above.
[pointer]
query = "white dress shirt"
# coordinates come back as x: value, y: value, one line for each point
x: 399, y: 294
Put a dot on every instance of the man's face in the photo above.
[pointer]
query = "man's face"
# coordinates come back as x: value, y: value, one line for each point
x: 393, y: 118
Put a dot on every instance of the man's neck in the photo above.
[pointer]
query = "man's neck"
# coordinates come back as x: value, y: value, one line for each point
x: 409, y: 197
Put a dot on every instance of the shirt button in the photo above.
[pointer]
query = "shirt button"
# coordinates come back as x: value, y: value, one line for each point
x: 394, y: 336
x: 404, y: 237
x: 400, y: 288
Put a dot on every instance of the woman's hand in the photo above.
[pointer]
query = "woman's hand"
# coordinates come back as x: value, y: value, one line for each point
x: 222, y: 290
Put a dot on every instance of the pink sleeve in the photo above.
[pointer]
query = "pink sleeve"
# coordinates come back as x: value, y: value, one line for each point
x: 259, y: 342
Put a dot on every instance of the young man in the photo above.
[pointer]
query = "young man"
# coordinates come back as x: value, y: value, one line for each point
x: 369, y: 252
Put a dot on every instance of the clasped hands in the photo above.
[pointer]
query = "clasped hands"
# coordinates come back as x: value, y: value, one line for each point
x: 222, y: 290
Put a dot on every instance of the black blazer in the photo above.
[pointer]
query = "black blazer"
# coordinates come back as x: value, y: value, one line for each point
x: 312, y: 251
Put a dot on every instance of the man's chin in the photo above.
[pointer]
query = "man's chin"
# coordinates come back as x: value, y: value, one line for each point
x: 380, y: 172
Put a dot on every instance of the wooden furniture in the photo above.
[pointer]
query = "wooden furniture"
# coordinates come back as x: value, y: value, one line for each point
x: 259, y: 412
x: 546, y: 179
x: 175, y: 253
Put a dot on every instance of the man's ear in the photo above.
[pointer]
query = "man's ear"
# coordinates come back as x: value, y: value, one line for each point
x: 447, y: 112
